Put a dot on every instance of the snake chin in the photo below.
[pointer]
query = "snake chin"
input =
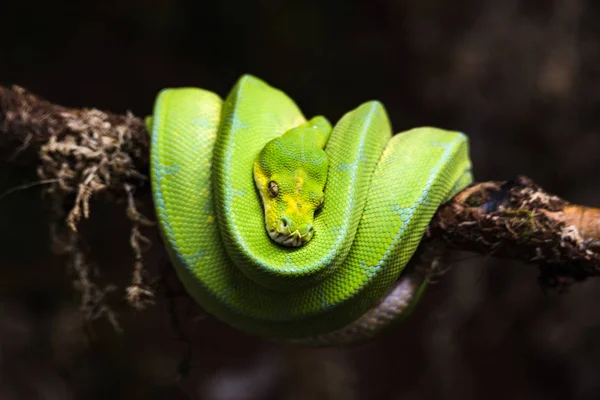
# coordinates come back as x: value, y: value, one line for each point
x: 290, y: 239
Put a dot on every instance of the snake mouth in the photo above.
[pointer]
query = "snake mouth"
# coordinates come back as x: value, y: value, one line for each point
x: 289, y: 238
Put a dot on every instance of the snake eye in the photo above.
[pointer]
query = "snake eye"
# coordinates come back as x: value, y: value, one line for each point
x: 273, y: 189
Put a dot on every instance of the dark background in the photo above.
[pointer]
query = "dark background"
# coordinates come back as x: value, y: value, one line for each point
x: 522, y: 78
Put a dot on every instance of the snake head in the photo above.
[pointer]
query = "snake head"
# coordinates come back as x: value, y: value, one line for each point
x: 290, y: 174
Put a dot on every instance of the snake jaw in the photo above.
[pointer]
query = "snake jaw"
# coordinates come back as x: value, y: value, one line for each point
x: 288, y: 238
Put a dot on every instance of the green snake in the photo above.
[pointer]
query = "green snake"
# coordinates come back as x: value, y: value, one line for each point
x: 290, y: 228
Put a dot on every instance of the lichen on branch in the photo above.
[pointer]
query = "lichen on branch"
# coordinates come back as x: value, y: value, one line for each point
x: 80, y: 154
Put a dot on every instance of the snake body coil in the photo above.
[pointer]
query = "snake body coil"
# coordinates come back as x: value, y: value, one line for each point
x: 222, y: 209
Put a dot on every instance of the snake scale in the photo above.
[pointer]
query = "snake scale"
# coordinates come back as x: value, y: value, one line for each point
x: 290, y: 228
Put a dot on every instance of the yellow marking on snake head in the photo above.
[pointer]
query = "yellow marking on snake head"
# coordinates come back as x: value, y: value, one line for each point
x: 299, y: 178
x: 260, y: 177
x: 293, y: 204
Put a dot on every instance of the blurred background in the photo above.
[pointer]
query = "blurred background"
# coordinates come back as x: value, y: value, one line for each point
x: 521, y: 78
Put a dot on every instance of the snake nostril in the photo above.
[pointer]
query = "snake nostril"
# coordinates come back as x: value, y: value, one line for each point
x: 285, y: 222
x: 306, y: 229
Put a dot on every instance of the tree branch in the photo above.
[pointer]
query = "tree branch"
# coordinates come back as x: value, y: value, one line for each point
x: 87, y: 151
x: 519, y: 220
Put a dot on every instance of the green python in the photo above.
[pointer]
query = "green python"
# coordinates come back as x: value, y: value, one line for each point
x: 291, y: 228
